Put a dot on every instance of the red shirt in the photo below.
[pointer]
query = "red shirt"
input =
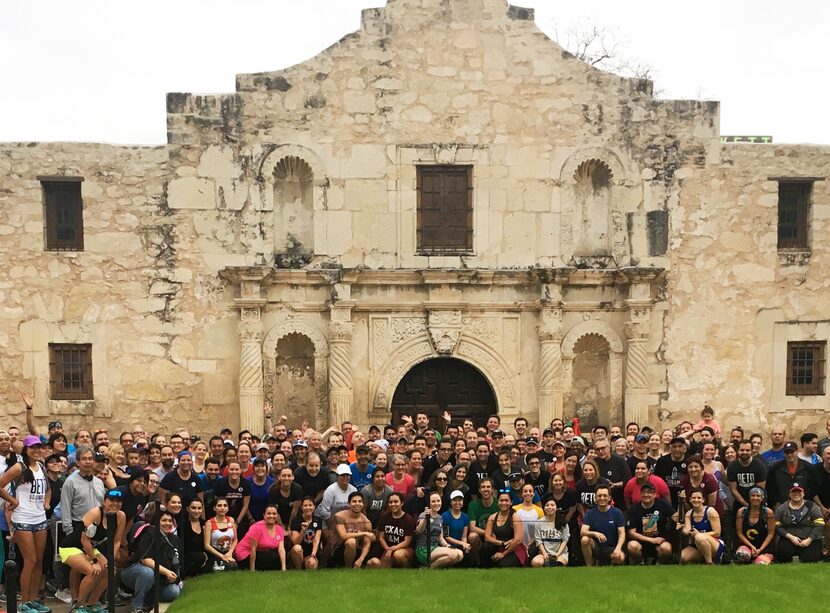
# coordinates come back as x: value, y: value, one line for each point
x: 631, y: 492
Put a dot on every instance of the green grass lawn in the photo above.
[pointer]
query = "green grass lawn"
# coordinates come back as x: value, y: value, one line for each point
x: 663, y: 588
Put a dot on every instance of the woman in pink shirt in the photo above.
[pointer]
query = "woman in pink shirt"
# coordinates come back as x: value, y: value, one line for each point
x: 631, y: 492
x: 262, y: 547
x: 399, y: 480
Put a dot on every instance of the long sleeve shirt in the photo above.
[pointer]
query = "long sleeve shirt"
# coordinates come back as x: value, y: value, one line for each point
x: 803, y: 522
x: 78, y: 495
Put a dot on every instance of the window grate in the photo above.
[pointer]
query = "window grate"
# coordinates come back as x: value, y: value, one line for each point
x: 70, y: 371
x: 806, y: 368
x: 445, y: 210
x: 63, y: 215
x: 794, y: 214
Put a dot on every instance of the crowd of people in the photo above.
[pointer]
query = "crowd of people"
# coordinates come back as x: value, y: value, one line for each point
x: 398, y: 496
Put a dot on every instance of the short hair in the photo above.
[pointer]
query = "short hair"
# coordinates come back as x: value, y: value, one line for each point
x: 353, y: 494
x: 396, y: 494
x: 708, y: 429
x: 518, y: 419
x: 494, y: 416
x: 486, y: 480
x: 82, y: 450
x: 600, y: 427
x: 419, y: 437
x: 483, y: 444
x: 807, y: 437
x: 212, y: 460
x: 602, y: 487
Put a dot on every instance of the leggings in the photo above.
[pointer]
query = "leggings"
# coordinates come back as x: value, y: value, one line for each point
x: 266, y: 559
x: 487, y: 552
x: 786, y: 550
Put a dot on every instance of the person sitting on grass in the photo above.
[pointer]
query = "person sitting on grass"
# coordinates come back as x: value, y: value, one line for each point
x: 262, y: 547
x: 755, y: 530
x: 503, y: 545
x: 354, y: 536
x: 139, y: 576
x: 551, y: 534
x: 457, y: 524
x: 702, y: 524
x: 395, y: 532
x: 220, y: 539
x: 800, y: 525
x: 306, y: 534
x: 83, y: 551
x: 431, y: 548
x: 603, y: 531
x: 648, y: 526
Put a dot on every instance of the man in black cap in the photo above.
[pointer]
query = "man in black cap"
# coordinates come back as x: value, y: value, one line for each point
x: 640, y: 453
x: 670, y: 468
x: 648, y: 527
x: 791, y: 469
x: 546, y: 452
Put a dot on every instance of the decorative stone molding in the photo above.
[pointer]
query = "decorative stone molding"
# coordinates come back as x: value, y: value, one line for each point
x: 341, y: 391
x: 590, y: 327
x: 293, y: 325
x: 444, y: 330
x: 550, y: 365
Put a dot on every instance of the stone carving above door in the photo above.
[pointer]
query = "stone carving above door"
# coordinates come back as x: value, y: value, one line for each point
x: 444, y: 330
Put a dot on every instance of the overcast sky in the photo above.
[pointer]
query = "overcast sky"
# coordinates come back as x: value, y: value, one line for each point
x: 98, y: 70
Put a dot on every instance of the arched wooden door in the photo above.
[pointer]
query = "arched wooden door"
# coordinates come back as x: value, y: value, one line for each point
x: 444, y: 384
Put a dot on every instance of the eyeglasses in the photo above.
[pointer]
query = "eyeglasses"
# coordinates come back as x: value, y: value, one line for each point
x: 440, y: 479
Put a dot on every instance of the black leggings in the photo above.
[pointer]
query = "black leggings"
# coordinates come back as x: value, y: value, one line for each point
x: 786, y: 550
x: 488, y: 550
x: 265, y: 560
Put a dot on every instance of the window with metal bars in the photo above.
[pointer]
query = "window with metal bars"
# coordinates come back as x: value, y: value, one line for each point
x: 70, y: 371
x: 794, y: 214
x: 63, y: 214
x: 445, y: 210
x: 806, y: 368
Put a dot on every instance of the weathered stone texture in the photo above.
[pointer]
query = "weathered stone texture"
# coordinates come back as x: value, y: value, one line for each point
x: 301, y: 188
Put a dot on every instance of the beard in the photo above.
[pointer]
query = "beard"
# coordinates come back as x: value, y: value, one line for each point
x: 168, y: 464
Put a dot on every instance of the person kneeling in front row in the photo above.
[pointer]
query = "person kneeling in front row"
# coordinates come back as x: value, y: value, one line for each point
x: 603, y: 531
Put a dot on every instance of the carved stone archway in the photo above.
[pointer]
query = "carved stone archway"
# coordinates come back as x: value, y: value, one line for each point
x: 469, y: 350
x: 321, y: 352
x: 615, y: 365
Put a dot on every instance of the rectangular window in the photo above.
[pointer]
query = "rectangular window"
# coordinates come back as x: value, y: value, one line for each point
x: 63, y: 214
x: 794, y: 214
x: 70, y: 371
x: 805, y: 368
x: 445, y: 210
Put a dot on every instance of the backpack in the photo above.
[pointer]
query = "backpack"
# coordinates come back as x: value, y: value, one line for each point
x: 133, y: 536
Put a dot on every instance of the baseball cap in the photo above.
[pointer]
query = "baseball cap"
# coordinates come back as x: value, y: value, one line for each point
x: 30, y: 440
x: 258, y: 461
x: 548, y: 431
x: 560, y: 443
x: 514, y: 476
x: 790, y: 446
x: 532, y: 441
x: 679, y: 439
x: 381, y: 443
x: 456, y: 494
x: 499, y: 433
x: 261, y: 447
x: 268, y: 437
x: 648, y: 486
x: 55, y: 424
x: 114, y: 495
x: 796, y: 486
x: 343, y: 469
x: 577, y: 440
x: 361, y: 449
x: 641, y: 438
x: 300, y: 443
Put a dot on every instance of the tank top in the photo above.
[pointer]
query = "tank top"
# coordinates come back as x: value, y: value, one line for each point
x: 701, y: 525
x: 503, y: 532
x: 98, y: 540
x: 756, y: 532
x: 31, y: 497
x: 221, y: 539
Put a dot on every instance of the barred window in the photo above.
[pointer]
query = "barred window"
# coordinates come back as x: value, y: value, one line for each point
x: 445, y: 210
x: 63, y: 213
x: 805, y: 368
x: 794, y: 214
x: 70, y: 371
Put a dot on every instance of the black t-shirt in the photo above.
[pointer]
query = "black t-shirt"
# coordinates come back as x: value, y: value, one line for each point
x: 632, y: 462
x: 131, y: 504
x: 188, y: 488
x: 540, y: 483
x: 234, y: 494
x: 746, y: 477
x: 615, y: 470
x: 586, y: 493
x: 308, y: 533
x: 823, y: 485
x: 476, y: 473
x: 671, y: 472
x: 396, y: 530
x: 653, y: 522
x: 275, y: 496
x: 500, y: 480
x: 312, y: 486
x: 564, y: 504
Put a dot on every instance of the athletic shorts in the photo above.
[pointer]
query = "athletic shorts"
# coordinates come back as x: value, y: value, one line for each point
x: 423, y: 556
x: 68, y: 552
x: 30, y: 527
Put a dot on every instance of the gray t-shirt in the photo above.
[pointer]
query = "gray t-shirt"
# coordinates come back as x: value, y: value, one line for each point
x: 374, y: 504
x: 436, y: 527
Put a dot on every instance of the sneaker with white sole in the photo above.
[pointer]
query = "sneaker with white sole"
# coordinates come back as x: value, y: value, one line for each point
x: 64, y: 596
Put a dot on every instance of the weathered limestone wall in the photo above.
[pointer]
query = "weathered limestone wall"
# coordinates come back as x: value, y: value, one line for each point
x: 734, y: 301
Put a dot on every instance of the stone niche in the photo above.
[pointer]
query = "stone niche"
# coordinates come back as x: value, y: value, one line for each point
x: 293, y: 381
x: 293, y: 207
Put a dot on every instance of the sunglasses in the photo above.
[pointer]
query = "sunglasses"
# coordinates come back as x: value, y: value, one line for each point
x: 114, y: 495
x: 441, y: 479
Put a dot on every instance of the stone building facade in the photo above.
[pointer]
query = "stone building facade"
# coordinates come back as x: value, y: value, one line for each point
x: 604, y: 256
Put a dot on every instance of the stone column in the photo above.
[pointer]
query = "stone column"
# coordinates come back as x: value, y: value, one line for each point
x: 550, y: 366
x: 636, y: 370
x: 341, y: 391
x: 251, y: 391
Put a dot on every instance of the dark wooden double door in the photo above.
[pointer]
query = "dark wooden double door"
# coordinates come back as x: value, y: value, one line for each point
x: 444, y: 384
